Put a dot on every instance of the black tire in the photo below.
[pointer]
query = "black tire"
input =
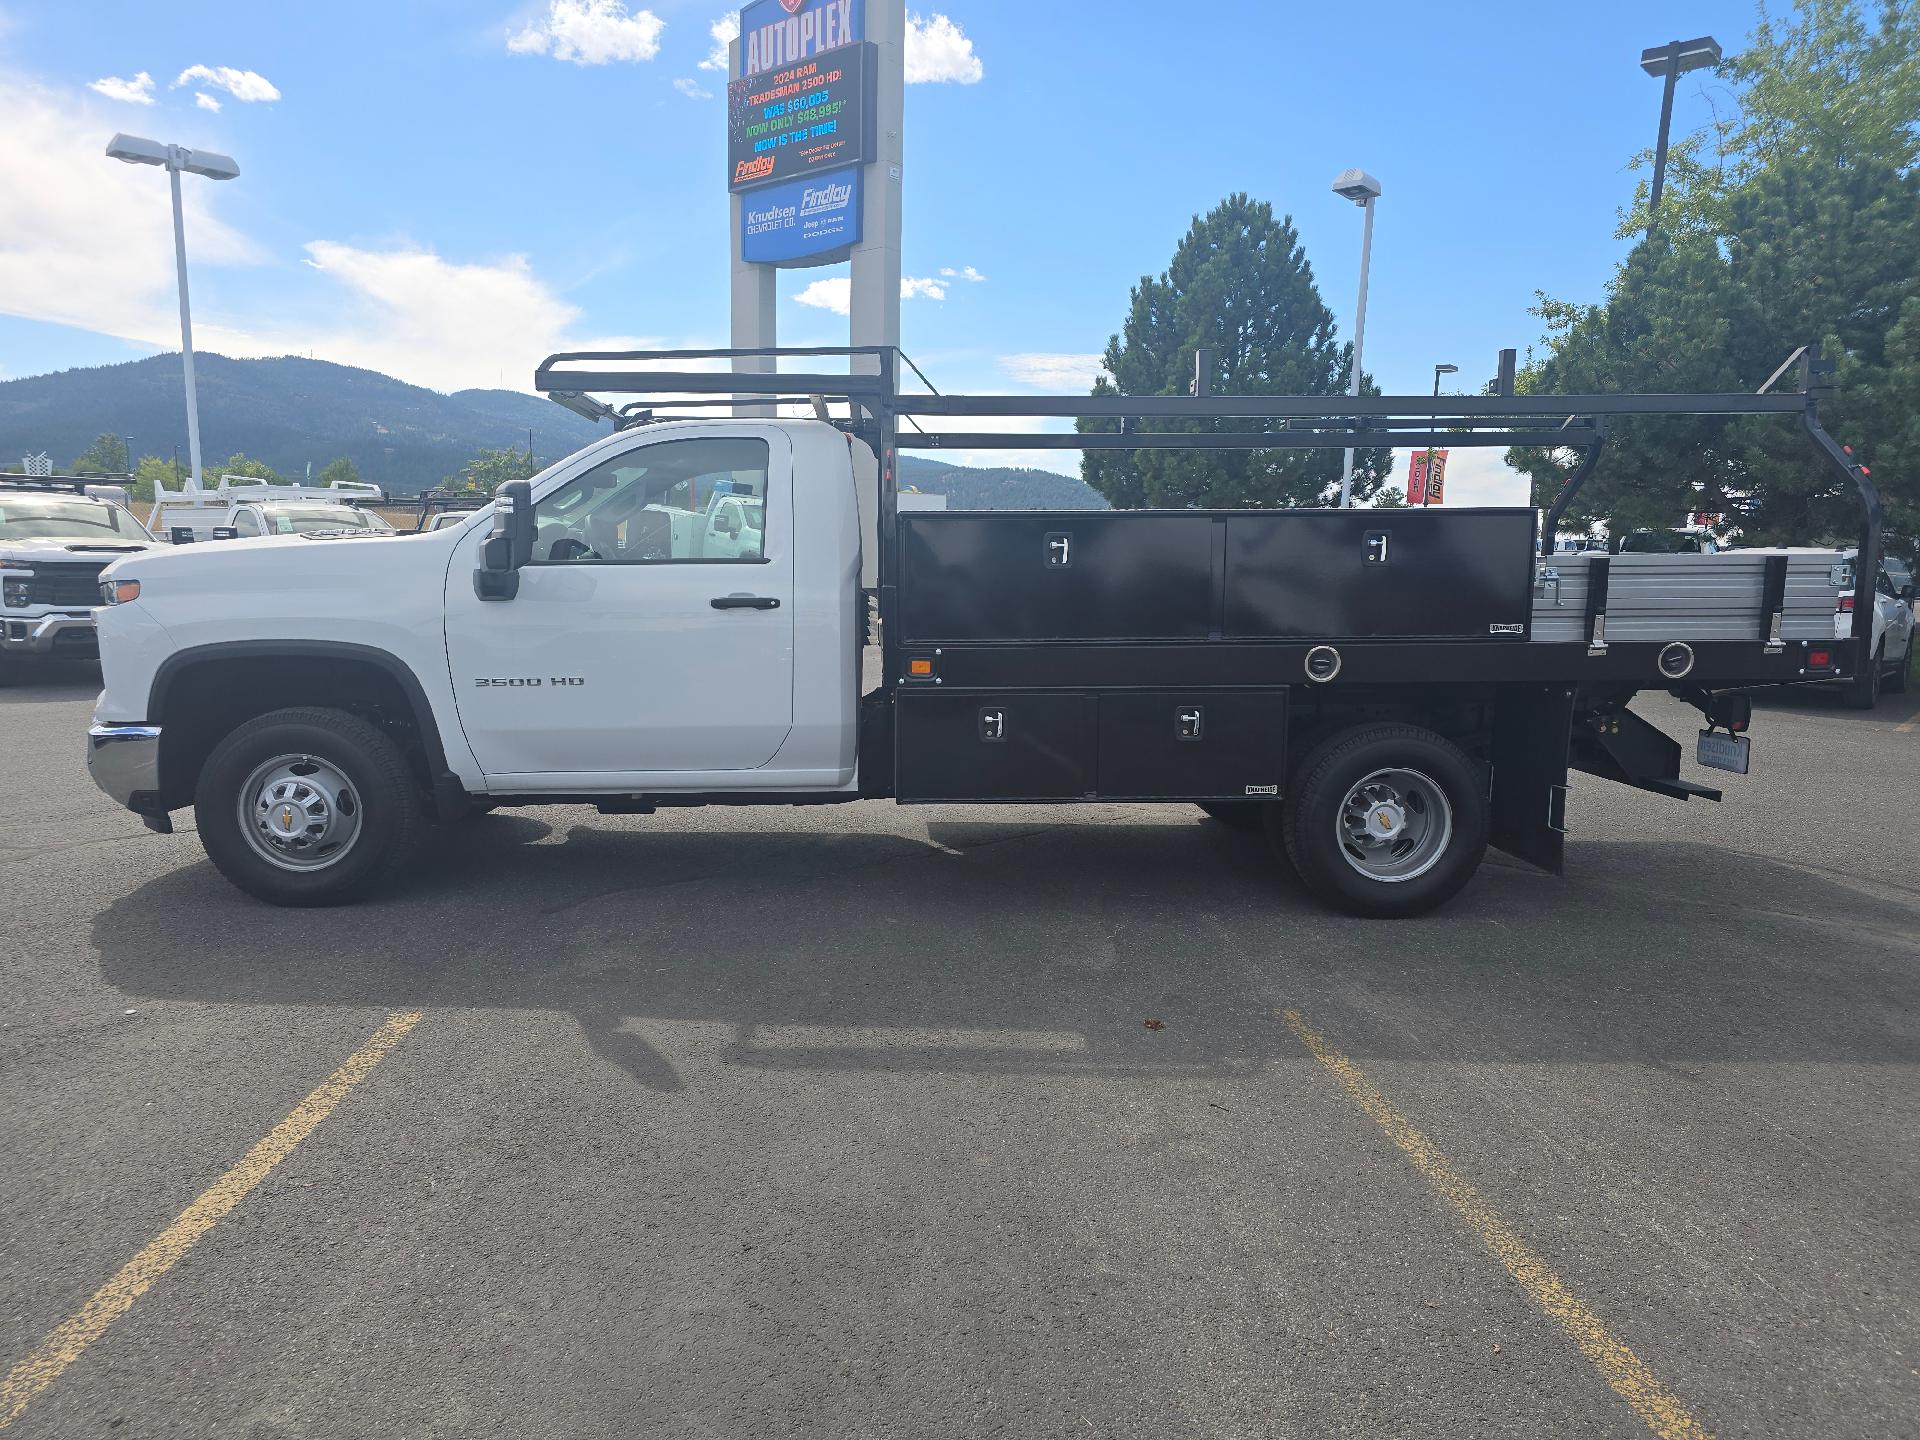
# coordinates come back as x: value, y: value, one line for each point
x: 1306, y: 828
x: 1247, y: 815
x: 386, y: 798
x: 1897, y: 681
x: 1864, y: 693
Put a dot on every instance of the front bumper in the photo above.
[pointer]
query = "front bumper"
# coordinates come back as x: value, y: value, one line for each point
x: 46, y: 634
x: 124, y: 761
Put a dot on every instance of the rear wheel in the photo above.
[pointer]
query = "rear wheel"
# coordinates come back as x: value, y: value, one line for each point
x: 1385, y: 820
x: 1236, y: 814
x: 308, y: 807
x: 1897, y: 681
x: 1865, y: 692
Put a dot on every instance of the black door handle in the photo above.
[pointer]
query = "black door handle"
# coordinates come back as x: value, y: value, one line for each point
x: 746, y: 602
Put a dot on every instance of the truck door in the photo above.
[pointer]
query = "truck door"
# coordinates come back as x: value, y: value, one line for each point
x: 647, y: 638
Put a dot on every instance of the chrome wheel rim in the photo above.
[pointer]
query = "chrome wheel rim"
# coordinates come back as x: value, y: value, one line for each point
x: 300, y: 812
x: 1394, y: 826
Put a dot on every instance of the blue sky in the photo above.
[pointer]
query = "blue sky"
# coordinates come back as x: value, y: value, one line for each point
x: 447, y: 191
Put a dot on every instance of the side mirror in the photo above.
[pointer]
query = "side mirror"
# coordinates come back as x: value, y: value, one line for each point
x: 510, y: 547
x: 1906, y: 593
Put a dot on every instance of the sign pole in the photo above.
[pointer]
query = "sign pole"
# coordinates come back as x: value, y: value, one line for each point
x: 876, y: 259
x: 756, y: 315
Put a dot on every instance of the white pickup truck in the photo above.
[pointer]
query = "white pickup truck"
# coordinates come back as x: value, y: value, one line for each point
x: 679, y: 615
x: 56, y: 535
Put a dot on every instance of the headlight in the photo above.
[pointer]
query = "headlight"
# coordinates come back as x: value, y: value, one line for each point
x: 119, y: 592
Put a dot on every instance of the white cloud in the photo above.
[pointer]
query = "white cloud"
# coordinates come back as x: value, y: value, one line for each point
x: 691, y: 89
x: 414, y: 314
x: 137, y: 91
x: 1056, y: 372
x: 939, y: 51
x: 967, y: 273
x: 836, y: 294
x: 247, y: 86
x: 725, y: 31
x: 99, y: 253
x: 206, y: 101
x: 591, y: 32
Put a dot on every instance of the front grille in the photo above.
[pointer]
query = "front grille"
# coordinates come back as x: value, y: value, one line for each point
x: 66, y: 583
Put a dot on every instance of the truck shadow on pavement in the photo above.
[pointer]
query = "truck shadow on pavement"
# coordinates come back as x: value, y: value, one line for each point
x: 1036, y: 947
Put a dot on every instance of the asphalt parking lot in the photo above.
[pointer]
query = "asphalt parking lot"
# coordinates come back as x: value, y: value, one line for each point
x: 870, y: 1121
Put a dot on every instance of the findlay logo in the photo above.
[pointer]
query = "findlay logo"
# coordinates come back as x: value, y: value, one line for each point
x: 758, y: 169
x: 826, y: 197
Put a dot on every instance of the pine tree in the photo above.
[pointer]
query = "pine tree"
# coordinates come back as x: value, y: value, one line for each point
x: 1239, y: 286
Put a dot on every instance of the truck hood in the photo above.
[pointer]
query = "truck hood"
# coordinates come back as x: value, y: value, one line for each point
x: 270, y: 561
x: 70, y: 548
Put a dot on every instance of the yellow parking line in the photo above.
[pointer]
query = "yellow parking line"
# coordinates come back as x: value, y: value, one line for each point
x: 1617, y: 1364
x: 113, y: 1299
x: 1907, y: 727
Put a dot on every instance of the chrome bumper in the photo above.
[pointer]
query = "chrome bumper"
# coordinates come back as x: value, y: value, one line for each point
x: 124, y: 761
x: 37, y: 636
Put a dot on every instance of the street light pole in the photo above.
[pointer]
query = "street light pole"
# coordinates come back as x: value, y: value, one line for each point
x: 186, y: 324
x: 174, y: 159
x: 1361, y: 188
x: 1667, y: 63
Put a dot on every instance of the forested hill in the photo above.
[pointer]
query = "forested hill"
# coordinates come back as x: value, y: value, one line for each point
x: 287, y: 412
x: 292, y: 412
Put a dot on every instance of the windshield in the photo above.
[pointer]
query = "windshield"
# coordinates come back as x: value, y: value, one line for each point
x: 307, y: 519
x: 40, y: 518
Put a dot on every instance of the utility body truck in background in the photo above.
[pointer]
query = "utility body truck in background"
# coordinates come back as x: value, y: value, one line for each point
x: 57, y: 533
x: 678, y: 615
x: 242, y: 508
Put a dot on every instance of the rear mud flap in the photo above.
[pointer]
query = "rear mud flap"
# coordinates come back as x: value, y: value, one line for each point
x: 1527, y: 802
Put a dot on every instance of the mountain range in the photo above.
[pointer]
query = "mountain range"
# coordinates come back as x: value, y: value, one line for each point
x: 294, y: 413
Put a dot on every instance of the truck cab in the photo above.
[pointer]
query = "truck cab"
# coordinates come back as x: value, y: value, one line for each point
x: 56, y: 535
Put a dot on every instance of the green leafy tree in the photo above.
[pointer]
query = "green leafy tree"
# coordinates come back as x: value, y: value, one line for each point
x: 340, y: 470
x: 106, y: 456
x: 487, y: 471
x: 1392, y: 497
x: 1794, y: 220
x: 242, y: 465
x: 1239, y: 286
x: 153, y: 473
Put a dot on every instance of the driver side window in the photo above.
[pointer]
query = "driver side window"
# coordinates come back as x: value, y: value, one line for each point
x: 676, y: 502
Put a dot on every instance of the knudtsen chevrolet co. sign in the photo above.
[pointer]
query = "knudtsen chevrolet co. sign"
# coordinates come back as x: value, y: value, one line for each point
x: 807, y: 219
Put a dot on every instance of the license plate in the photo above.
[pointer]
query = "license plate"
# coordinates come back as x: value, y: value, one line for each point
x: 1732, y: 753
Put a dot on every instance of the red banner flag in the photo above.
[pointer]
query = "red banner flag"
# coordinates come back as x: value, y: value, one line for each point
x: 1419, y: 491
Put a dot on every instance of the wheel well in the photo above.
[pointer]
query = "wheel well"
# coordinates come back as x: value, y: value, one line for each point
x: 205, y: 699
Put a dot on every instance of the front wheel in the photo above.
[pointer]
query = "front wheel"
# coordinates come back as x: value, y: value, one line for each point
x: 307, y: 807
x: 1385, y: 820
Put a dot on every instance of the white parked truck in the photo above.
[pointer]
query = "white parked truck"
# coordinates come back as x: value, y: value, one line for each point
x: 678, y: 614
x: 56, y: 535
x: 241, y: 508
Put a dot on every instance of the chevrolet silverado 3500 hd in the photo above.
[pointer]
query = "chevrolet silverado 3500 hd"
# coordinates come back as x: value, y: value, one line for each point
x: 677, y: 614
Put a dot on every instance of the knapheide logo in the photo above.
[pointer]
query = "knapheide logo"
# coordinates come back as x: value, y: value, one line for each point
x: 753, y: 169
